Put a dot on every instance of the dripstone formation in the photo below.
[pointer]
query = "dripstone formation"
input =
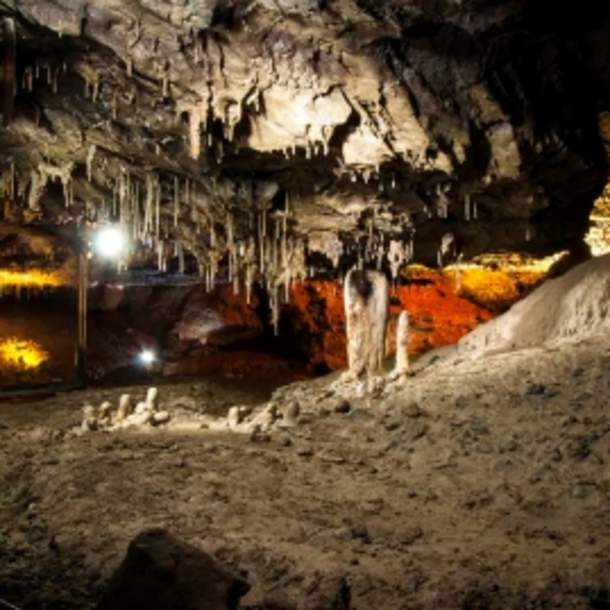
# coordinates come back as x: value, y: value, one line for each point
x: 268, y: 141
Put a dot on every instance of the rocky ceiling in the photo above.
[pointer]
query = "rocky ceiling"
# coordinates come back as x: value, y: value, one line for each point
x: 270, y: 138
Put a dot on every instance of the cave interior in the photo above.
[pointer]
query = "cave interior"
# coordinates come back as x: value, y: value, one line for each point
x: 358, y: 250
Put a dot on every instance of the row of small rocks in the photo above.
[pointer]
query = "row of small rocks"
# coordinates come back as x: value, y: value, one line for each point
x: 106, y: 417
x: 243, y: 419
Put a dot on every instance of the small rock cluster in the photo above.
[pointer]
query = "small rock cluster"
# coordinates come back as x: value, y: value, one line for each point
x: 244, y: 420
x: 105, y: 417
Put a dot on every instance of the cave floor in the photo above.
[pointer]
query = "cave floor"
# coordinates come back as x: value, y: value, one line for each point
x: 480, y: 485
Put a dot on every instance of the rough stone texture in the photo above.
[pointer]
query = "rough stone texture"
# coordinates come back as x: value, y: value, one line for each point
x: 162, y: 573
x: 361, y: 122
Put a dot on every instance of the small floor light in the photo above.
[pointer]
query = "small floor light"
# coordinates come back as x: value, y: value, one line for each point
x: 147, y: 358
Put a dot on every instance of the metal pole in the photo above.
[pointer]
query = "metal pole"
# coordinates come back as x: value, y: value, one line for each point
x: 81, y: 341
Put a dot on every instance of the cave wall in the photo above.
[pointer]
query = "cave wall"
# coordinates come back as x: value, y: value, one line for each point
x: 332, y: 129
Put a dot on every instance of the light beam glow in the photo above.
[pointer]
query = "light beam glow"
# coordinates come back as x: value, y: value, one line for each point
x: 109, y: 242
x: 147, y: 357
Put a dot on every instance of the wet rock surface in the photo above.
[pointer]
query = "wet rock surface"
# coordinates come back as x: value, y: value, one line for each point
x: 458, y: 489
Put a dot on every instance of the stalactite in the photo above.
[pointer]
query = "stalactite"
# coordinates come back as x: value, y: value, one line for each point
x: 250, y: 265
x: 176, y: 200
x: 95, y: 90
x: 181, y: 265
x: 160, y: 255
x: 90, y: 160
x: 197, y: 115
x: 56, y: 81
x: 158, y: 210
x: 397, y: 257
x: 114, y: 106
x: 447, y: 242
x: 467, y: 211
x: 27, y: 81
x: 274, y: 303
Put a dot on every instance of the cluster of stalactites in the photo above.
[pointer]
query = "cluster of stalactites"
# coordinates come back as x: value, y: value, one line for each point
x: 44, y: 72
x: 166, y: 216
x: 397, y: 252
x: 271, y: 256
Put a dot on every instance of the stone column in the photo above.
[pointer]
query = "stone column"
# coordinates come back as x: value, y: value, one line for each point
x: 366, y: 314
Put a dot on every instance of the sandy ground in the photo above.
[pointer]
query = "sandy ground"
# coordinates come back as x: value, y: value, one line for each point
x: 478, y: 485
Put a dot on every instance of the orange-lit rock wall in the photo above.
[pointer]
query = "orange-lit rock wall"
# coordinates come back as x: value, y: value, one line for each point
x: 439, y: 316
x: 443, y: 305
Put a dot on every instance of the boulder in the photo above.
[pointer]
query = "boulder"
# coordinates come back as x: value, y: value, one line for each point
x: 160, y: 572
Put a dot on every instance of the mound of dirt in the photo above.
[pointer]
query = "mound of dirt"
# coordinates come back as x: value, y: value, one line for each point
x: 569, y: 308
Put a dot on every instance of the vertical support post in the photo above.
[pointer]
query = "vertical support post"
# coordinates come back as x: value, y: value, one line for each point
x: 81, y: 341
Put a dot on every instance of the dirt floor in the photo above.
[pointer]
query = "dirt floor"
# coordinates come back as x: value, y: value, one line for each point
x: 478, y: 485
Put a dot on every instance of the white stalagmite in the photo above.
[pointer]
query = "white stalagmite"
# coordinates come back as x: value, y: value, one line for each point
x: 366, y: 313
x: 401, y: 367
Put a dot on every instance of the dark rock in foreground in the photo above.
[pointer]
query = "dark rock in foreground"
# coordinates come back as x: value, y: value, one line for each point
x: 160, y: 572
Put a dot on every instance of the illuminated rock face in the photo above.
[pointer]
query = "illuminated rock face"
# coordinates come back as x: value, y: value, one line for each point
x: 438, y: 316
x: 259, y: 140
x: 265, y: 144
x: 21, y: 354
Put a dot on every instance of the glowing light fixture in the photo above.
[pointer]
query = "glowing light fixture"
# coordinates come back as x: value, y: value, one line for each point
x: 147, y: 357
x: 109, y: 242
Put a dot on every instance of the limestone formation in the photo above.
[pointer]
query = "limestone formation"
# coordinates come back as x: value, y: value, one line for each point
x: 366, y: 314
x: 124, y: 409
x: 264, y: 142
x: 401, y: 367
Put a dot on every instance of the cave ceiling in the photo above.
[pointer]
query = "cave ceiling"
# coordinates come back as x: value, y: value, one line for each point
x: 272, y: 138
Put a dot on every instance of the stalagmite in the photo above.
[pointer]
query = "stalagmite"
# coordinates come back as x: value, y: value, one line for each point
x: 401, y: 367
x: 124, y: 409
x: 366, y: 313
x: 152, y: 398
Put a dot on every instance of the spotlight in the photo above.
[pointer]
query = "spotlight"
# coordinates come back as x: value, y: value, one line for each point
x: 147, y: 357
x: 109, y: 242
